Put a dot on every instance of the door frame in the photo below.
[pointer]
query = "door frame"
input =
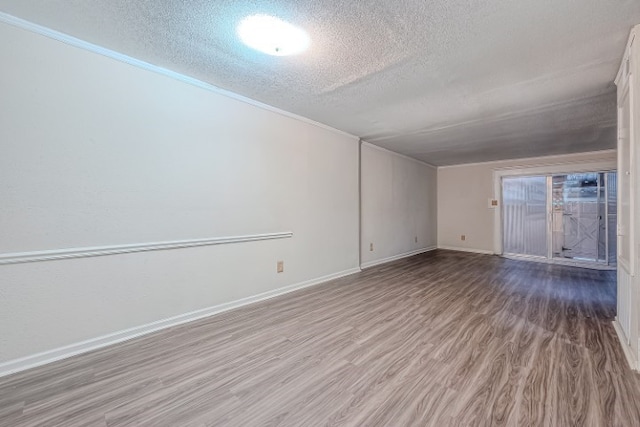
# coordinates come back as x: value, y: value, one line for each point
x: 627, y: 85
x: 556, y: 168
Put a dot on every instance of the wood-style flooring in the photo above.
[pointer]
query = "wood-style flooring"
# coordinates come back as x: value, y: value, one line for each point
x: 438, y: 339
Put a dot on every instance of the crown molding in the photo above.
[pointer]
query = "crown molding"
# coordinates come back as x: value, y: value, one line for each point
x: 81, y: 44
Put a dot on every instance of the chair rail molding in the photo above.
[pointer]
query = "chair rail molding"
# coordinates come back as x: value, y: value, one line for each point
x: 60, y: 254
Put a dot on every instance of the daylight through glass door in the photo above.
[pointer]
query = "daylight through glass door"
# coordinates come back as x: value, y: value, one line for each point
x: 567, y: 217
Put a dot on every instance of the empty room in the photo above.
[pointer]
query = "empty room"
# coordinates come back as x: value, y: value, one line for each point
x: 298, y: 213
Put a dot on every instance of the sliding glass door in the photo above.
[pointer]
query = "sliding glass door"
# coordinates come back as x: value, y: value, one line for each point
x: 563, y: 216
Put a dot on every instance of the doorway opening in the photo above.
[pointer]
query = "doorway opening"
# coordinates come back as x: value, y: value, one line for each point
x: 568, y: 218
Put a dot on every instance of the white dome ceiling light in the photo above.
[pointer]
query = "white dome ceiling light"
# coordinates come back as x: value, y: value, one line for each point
x: 272, y: 35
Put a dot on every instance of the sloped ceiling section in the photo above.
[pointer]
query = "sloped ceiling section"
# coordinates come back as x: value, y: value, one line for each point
x: 444, y: 81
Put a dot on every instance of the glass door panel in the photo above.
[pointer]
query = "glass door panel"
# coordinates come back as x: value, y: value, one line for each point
x: 612, y: 217
x: 602, y: 218
x: 524, y: 201
x: 579, y: 220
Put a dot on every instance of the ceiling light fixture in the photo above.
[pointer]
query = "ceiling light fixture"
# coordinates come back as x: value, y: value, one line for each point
x: 272, y: 35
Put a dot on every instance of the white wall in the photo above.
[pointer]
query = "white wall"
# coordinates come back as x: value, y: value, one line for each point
x: 98, y: 152
x: 398, y: 205
x: 464, y: 192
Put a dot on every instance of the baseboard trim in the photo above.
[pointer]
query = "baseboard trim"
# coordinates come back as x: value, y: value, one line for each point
x: 396, y: 257
x: 631, y: 360
x: 475, y: 251
x: 60, y: 254
x: 39, y: 359
x: 557, y: 261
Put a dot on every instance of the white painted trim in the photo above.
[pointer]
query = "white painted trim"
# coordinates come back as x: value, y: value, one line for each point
x: 472, y: 250
x: 555, y: 168
x: 625, y: 88
x: 59, y: 254
x: 376, y: 147
x: 548, y: 159
x: 360, y: 216
x: 631, y: 360
x: 28, y: 362
x: 627, y: 51
x: 560, y: 261
x: 75, y: 42
x: 396, y: 257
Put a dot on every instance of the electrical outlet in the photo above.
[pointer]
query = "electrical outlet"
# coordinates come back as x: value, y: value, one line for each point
x: 463, y: 237
x: 371, y: 247
x: 416, y: 239
x: 280, y: 266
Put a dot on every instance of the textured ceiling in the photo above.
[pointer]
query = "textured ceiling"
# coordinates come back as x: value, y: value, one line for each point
x: 444, y: 81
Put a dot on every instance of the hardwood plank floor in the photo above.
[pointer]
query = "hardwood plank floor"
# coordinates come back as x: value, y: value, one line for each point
x: 438, y: 339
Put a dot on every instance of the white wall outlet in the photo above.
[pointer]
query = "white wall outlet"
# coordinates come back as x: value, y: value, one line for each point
x: 280, y: 267
x: 370, y: 247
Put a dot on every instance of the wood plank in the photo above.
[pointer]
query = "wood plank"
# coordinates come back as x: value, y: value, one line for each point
x: 441, y: 338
